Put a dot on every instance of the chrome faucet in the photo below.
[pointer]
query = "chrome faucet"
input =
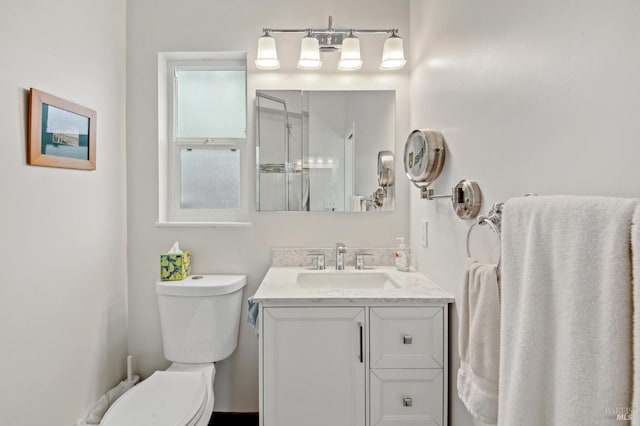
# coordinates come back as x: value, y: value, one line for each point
x: 341, y: 249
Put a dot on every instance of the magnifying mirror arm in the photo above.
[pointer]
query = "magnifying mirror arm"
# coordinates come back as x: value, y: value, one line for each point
x: 466, y: 198
x: 427, y: 193
x: 376, y: 200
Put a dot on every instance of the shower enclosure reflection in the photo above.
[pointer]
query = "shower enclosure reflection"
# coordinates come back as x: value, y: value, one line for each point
x: 318, y: 150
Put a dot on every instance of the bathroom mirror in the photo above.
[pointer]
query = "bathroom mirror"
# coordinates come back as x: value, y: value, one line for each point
x: 325, y: 150
x: 424, y: 155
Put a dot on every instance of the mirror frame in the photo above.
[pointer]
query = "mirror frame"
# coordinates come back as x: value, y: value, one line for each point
x: 434, y: 145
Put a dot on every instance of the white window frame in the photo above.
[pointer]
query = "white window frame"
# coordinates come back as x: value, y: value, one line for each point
x: 170, y: 211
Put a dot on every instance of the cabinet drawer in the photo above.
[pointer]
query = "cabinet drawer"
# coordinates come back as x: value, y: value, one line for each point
x: 406, y: 397
x: 406, y: 337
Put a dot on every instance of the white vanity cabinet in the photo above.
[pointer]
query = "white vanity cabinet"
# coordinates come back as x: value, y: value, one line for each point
x: 346, y: 365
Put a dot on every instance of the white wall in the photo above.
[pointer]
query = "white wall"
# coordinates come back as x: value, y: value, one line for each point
x: 63, y: 315
x: 199, y: 25
x: 531, y: 97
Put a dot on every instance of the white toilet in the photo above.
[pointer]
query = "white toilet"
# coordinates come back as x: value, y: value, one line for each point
x: 199, y: 318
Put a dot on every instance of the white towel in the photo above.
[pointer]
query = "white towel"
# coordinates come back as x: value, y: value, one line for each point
x: 355, y: 203
x: 635, y: 243
x: 479, y: 341
x: 566, y: 311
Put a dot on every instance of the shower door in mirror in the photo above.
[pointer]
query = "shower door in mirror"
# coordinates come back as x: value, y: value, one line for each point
x: 318, y: 150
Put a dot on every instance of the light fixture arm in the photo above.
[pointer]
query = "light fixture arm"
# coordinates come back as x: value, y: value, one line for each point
x: 329, y: 30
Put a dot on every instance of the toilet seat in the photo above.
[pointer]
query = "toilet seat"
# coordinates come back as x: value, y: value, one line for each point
x: 166, y: 398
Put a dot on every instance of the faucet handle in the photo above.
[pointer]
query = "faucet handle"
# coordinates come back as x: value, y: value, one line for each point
x: 319, y: 260
x: 360, y: 259
x: 341, y: 248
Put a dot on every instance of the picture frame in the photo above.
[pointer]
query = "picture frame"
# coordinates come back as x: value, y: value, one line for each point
x: 61, y: 133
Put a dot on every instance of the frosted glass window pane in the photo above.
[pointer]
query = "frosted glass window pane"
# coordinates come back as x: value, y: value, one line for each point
x: 211, y: 104
x: 209, y: 179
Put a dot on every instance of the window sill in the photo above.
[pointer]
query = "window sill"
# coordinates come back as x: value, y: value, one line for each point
x: 204, y: 224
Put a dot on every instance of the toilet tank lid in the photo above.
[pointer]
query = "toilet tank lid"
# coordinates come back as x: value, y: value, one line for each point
x: 202, y: 285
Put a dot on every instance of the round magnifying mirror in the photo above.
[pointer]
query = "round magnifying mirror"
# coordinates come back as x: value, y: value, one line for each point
x: 385, y: 168
x: 424, y: 155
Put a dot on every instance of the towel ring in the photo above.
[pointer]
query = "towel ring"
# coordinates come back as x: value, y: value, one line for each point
x: 483, y: 220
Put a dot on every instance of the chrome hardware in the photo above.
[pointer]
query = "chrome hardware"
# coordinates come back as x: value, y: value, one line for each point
x: 385, y: 168
x: 407, y: 340
x: 341, y: 249
x: 376, y: 200
x: 407, y: 401
x: 319, y: 260
x: 360, y: 260
x: 466, y: 198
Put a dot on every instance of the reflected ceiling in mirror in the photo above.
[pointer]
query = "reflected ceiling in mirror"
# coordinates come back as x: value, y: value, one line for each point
x: 319, y: 150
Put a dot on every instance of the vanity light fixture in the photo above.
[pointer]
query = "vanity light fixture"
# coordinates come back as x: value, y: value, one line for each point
x: 267, y: 58
x: 309, y: 53
x: 331, y: 40
x: 350, y: 55
x: 393, y: 53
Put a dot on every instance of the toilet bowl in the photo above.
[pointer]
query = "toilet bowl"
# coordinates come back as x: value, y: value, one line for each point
x: 167, y: 398
x: 199, y: 318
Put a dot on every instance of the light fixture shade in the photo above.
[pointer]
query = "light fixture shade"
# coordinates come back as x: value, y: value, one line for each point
x: 309, y: 54
x: 267, y: 58
x: 350, y: 56
x: 392, y: 54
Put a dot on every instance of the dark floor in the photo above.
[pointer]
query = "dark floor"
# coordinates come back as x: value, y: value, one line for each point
x: 234, y: 419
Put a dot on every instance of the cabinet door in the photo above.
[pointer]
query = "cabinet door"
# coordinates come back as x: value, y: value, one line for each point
x: 313, y: 369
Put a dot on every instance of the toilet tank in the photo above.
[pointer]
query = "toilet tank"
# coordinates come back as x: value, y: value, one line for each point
x: 200, y: 317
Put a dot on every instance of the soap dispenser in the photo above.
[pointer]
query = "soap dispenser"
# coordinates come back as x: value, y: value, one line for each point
x: 403, y: 259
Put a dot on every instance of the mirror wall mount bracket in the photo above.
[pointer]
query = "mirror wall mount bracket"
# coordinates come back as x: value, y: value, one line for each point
x: 466, y: 198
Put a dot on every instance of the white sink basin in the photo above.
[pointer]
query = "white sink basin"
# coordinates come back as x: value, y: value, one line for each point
x: 345, y: 280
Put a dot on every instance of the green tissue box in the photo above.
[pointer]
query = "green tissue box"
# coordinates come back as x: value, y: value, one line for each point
x: 175, y: 267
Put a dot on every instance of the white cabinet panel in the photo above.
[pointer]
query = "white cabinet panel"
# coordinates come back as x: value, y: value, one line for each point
x: 406, y: 337
x: 312, y: 367
x: 401, y: 397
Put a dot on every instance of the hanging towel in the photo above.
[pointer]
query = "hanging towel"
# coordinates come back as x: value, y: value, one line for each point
x: 355, y: 203
x: 252, y: 313
x: 635, y: 255
x: 479, y: 341
x: 565, y: 356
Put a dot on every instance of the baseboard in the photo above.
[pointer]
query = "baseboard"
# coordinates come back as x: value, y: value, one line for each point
x: 234, y: 419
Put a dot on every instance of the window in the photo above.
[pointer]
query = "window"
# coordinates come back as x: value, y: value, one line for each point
x: 202, y: 138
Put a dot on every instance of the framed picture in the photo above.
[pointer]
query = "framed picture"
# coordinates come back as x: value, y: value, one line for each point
x: 61, y: 133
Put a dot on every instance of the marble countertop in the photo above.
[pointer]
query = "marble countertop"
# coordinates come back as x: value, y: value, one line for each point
x: 279, y: 286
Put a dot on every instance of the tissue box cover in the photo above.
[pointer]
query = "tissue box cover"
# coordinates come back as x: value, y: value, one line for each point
x: 174, y: 267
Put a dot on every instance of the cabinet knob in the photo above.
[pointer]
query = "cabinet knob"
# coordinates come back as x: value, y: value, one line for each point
x: 408, y: 340
x: 407, y: 401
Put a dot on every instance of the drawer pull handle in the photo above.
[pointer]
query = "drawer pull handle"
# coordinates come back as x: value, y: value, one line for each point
x: 361, y: 342
x: 407, y: 402
x: 408, y: 340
